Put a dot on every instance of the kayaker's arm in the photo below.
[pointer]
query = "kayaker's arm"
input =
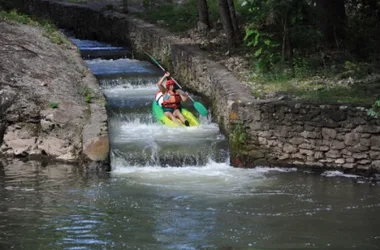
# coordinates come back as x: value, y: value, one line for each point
x: 184, y: 96
x: 162, y: 88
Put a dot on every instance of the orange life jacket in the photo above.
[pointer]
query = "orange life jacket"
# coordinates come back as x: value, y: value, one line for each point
x: 172, y: 100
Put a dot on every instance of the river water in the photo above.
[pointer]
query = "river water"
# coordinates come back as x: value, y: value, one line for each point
x: 174, y: 189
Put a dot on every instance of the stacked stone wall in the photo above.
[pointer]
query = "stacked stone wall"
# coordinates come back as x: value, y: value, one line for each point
x: 309, y: 134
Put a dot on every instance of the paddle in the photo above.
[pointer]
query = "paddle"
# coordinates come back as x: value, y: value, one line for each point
x: 197, y: 105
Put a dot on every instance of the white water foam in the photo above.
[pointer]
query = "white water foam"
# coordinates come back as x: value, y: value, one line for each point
x: 135, y: 130
x: 131, y: 91
x: 213, y: 178
x: 338, y: 174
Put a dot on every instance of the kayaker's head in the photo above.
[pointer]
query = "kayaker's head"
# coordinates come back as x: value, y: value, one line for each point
x: 169, y: 83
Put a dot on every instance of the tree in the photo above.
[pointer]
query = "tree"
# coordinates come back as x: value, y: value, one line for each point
x: 331, y: 20
x: 204, y: 20
x: 237, y: 33
x: 229, y: 21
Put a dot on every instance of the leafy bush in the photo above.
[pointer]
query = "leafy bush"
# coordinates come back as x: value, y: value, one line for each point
x: 375, y: 110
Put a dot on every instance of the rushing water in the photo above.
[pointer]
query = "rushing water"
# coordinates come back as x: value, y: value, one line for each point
x: 174, y: 189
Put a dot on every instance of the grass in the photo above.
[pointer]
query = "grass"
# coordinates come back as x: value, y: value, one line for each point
x: 53, y: 105
x: 330, y: 84
x: 307, y: 90
x: 53, y: 33
x: 15, y: 16
x: 50, y: 30
x: 87, y: 93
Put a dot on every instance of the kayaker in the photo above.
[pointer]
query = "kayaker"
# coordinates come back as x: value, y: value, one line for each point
x: 172, y: 99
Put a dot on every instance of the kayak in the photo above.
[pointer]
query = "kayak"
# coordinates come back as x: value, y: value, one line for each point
x: 160, y: 117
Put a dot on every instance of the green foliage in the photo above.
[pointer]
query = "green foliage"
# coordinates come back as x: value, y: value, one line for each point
x: 53, y: 105
x: 87, y: 93
x: 53, y: 33
x: 266, y: 49
x: 358, y: 69
x: 375, y: 110
x: 238, y: 136
x: 176, y: 17
x: 50, y: 29
x: 363, y: 25
x: 147, y: 4
x: 15, y: 16
x: 279, y: 26
x: 301, y: 67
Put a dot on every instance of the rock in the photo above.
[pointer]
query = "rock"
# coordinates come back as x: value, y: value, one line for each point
x: 202, y: 26
x: 333, y: 154
x: 352, y: 138
x: 69, y: 157
x: 43, y: 74
x: 7, y: 97
x: 283, y: 157
x: 348, y: 165
x: 97, y: 149
x: 306, y: 152
x: 297, y: 140
x: 328, y: 133
x: 21, y: 147
x: 318, y: 155
x: 340, y: 161
x: 288, y: 148
x: 376, y: 164
x: 54, y: 147
x: 375, y: 141
x: 375, y: 155
x: 360, y: 156
x: 324, y: 148
x: 337, y: 145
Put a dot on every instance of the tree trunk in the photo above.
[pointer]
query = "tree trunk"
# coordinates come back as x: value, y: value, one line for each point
x: 237, y: 33
x: 225, y: 17
x: 203, y: 21
x: 332, y: 18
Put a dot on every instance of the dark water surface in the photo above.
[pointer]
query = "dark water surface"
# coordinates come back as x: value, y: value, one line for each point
x: 59, y: 207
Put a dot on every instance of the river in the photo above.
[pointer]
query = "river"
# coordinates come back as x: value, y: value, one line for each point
x: 174, y: 188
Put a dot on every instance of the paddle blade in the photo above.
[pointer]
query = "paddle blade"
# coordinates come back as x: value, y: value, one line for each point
x: 200, y: 108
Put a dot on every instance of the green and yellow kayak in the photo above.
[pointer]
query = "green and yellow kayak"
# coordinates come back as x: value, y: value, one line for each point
x: 160, y: 117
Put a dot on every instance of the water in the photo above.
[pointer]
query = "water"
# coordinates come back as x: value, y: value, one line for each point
x: 174, y: 189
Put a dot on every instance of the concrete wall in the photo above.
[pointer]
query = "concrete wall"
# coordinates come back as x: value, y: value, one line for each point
x: 261, y: 132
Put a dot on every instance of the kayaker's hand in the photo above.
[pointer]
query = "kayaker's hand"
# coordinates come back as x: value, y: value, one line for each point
x: 185, y: 94
x: 167, y: 74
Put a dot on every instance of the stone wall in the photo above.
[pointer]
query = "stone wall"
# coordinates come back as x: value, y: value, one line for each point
x: 309, y: 134
x: 261, y: 132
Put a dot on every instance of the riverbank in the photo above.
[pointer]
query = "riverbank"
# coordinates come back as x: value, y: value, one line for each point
x: 51, y: 106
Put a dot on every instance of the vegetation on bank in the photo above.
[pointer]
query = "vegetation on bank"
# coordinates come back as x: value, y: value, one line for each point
x: 50, y: 30
x: 319, y: 50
